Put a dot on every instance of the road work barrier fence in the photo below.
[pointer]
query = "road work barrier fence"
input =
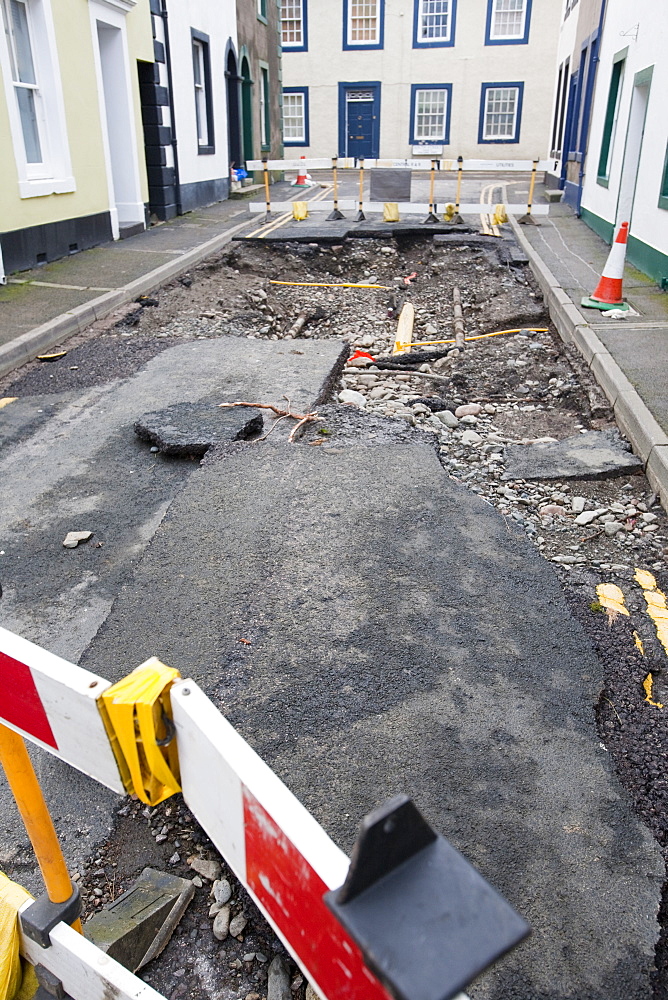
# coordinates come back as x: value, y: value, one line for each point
x: 454, y: 209
x: 408, y: 917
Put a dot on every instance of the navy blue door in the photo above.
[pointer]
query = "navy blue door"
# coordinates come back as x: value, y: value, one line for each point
x: 359, y: 128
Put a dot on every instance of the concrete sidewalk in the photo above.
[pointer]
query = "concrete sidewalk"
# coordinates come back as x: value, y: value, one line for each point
x: 629, y: 357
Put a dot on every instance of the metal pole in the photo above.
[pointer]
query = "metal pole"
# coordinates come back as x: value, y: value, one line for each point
x: 431, y: 218
x: 456, y: 219
x: 25, y: 788
x: 267, y: 196
x: 335, y: 215
x: 360, y: 217
x: 528, y: 219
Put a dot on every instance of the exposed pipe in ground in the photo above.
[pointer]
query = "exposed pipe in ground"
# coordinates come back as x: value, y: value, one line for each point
x: 458, y: 322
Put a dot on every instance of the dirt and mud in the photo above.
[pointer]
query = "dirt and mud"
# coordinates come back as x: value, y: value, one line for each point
x: 517, y: 387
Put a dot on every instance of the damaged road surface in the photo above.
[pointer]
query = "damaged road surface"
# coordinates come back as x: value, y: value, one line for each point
x: 368, y: 621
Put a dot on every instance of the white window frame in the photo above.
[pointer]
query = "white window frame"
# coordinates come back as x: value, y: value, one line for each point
x: 507, y: 38
x: 265, y: 110
x: 294, y: 44
x: 299, y: 97
x: 201, y: 96
x: 439, y: 139
x: 53, y: 175
x: 433, y: 39
x: 362, y: 42
x: 500, y: 138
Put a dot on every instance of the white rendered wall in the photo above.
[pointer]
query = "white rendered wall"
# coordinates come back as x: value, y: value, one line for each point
x: 649, y: 223
x: 218, y: 21
x: 466, y: 65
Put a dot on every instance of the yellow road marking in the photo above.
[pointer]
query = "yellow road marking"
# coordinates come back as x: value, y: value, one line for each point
x: 611, y: 597
x: 655, y: 599
x: 639, y: 643
x: 270, y: 227
x: 7, y: 400
x: 647, y: 684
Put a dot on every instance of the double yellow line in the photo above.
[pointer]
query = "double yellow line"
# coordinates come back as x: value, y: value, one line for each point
x: 270, y: 227
x: 489, y: 228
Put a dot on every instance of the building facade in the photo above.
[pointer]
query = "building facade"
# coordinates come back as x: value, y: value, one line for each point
x: 190, y: 104
x: 259, y: 33
x: 403, y: 78
x: 626, y: 168
x: 72, y: 172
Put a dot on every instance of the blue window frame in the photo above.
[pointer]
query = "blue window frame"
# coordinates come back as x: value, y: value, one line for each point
x: 434, y: 23
x: 363, y: 24
x: 508, y: 22
x: 500, y: 112
x: 294, y: 25
x: 430, y: 113
x: 295, y: 116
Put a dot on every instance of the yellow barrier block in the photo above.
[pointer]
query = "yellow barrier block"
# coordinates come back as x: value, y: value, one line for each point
x: 391, y: 212
x: 449, y: 213
x: 17, y: 978
x: 500, y: 215
x: 137, y: 714
x: 299, y: 211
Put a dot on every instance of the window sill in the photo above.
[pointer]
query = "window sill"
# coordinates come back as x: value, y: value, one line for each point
x: 262, y: 18
x: 43, y: 188
x: 206, y: 150
x: 291, y: 142
x: 506, y: 41
x: 603, y: 182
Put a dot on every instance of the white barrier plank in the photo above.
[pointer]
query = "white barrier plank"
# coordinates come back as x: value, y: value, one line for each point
x: 424, y: 163
x: 85, y: 972
x: 407, y: 207
x: 53, y: 704
x: 288, y: 861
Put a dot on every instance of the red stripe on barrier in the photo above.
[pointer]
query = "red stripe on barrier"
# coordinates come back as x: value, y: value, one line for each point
x: 20, y: 703
x: 291, y: 894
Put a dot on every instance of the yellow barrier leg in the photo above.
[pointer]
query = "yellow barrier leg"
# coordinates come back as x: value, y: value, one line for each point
x: 528, y: 219
x: 360, y: 217
x: 456, y: 218
x: 28, y: 795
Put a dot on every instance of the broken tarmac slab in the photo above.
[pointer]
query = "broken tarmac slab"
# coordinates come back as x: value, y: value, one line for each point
x: 406, y: 638
x: 593, y: 455
x: 190, y: 429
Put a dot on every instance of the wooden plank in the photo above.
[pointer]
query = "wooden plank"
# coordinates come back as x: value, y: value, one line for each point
x: 404, y: 328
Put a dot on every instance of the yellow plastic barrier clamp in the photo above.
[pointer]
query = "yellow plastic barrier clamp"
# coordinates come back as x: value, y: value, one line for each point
x: 299, y: 210
x: 391, y: 211
x: 500, y: 215
x: 138, y: 717
x: 17, y: 978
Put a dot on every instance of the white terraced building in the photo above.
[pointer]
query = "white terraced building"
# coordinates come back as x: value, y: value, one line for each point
x: 404, y: 78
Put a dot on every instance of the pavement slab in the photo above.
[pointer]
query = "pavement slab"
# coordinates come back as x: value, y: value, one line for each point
x: 401, y: 636
x: 594, y: 455
x: 641, y: 351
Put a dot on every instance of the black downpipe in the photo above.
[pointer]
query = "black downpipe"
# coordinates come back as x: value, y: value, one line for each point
x: 170, y: 84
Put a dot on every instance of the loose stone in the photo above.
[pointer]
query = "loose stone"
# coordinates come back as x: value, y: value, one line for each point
x: 221, y: 924
x: 468, y: 410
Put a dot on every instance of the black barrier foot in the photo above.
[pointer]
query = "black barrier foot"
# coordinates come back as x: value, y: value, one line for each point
x: 425, y: 920
x: 335, y: 216
x: 456, y: 220
x: 39, y: 919
x: 430, y: 220
x: 360, y: 217
x: 527, y: 220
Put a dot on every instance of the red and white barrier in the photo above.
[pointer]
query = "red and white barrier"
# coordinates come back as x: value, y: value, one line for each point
x: 273, y: 844
x: 278, y: 850
x: 53, y: 703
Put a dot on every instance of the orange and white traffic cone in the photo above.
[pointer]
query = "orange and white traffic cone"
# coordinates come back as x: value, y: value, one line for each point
x: 608, y: 294
x: 302, y: 176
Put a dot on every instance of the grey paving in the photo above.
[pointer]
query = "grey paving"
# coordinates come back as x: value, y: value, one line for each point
x: 594, y: 455
x: 405, y: 638
x: 641, y: 351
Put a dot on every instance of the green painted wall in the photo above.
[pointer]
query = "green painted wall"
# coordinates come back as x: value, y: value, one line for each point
x: 646, y: 258
x: 74, y: 45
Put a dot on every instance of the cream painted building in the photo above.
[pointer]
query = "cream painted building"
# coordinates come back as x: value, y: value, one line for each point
x: 401, y: 78
x: 72, y: 173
